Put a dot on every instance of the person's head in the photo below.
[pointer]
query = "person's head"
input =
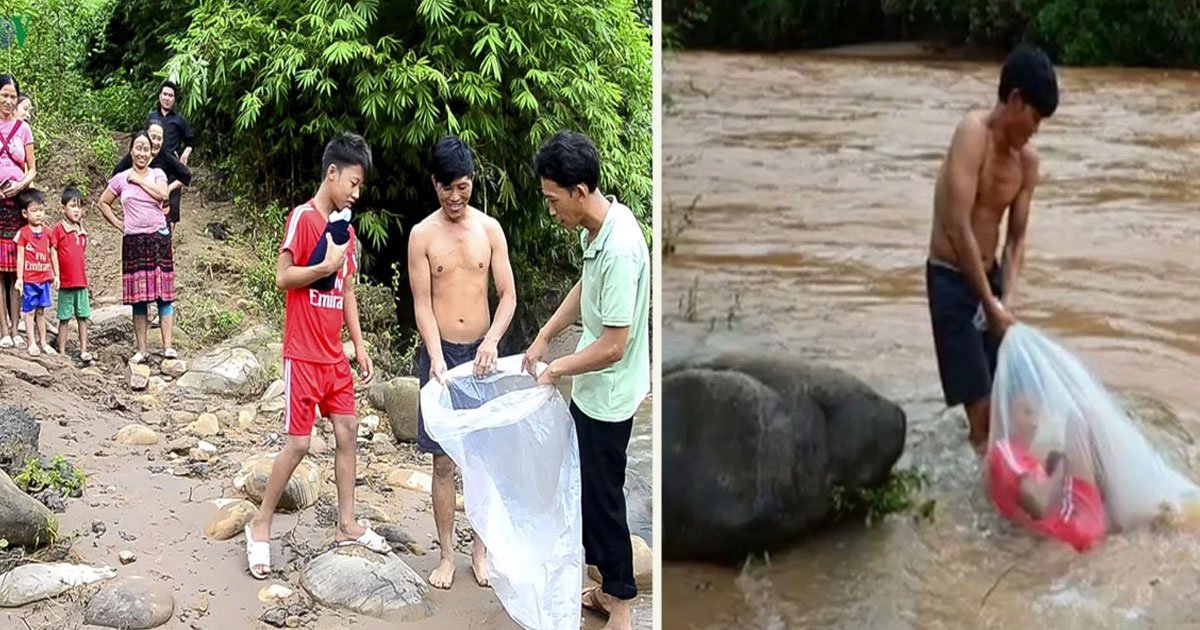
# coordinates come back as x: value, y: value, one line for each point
x: 1028, y: 92
x: 345, y: 164
x: 24, y: 107
x: 155, y: 131
x: 9, y: 91
x: 453, y: 176
x: 166, y: 95
x: 72, y: 204
x: 32, y: 205
x: 139, y: 149
x: 569, y: 167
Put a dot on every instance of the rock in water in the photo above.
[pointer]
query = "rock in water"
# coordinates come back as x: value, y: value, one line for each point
x: 300, y: 492
x: 131, y: 602
x: 34, y: 582
x: 756, y: 444
x: 23, y: 521
x: 229, y: 520
x: 19, y: 433
x: 398, y: 398
x: 368, y: 583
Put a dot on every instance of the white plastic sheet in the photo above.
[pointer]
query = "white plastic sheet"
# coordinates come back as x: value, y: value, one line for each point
x: 516, y: 446
x: 1057, y: 430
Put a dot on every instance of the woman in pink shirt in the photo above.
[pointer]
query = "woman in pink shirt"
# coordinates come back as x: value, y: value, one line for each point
x: 147, y: 260
x: 17, y: 170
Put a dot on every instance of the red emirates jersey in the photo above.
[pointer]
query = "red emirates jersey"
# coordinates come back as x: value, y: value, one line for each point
x: 37, y: 268
x: 312, y: 326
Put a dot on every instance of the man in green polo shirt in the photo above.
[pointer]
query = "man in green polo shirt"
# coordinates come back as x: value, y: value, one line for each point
x: 611, y: 364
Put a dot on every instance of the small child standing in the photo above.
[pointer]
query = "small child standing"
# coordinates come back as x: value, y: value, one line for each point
x: 35, y: 272
x: 69, y: 241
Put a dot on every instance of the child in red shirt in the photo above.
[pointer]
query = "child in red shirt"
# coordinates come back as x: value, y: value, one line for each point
x: 69, y: 241
x: 316, y: 371
x: 35, y: 272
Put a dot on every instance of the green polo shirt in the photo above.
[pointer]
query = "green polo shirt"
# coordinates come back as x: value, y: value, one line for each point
x: 615, y: 292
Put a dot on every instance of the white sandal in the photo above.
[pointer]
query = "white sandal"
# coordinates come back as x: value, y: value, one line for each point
x: 257, y: 553
x: 370, y: 540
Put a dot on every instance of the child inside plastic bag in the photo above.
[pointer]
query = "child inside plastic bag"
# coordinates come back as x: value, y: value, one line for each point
x: 1064, y: 459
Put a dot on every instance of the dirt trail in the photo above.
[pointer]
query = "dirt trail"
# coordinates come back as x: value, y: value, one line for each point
x: 146, y: 508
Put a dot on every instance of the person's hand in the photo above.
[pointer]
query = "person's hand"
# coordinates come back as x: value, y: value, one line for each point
x: 335, y: 255
x: 133, y: 177
x: 56, y: 284
x: 366, y: 369
x: 485, y: 357
x: 550, y: 375
x: 437, y: 370
x: 999, y: 319
x: 536, y: 353
x: 19, y: 284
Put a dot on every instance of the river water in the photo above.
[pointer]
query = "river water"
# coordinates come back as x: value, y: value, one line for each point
x: 810, y: 183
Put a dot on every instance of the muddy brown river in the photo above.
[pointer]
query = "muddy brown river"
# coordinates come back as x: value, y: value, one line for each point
x: 812, y: 177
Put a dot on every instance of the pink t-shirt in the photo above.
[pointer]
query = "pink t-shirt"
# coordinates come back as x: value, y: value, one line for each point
x: 143, y: 214
x: 16, y: 145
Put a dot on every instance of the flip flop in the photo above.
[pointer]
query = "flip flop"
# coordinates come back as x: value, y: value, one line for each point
x: 370, y: 540
x: 591, y: 601
x: 257, y: 552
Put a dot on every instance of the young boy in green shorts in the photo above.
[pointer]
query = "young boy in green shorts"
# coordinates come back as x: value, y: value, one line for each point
x: 69, y: 241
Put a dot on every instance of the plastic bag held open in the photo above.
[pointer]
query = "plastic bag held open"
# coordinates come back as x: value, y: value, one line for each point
x: 516, y: 446
x: 1064, y: 459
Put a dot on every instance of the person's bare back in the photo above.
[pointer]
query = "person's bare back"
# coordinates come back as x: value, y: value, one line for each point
x: 459, y: 254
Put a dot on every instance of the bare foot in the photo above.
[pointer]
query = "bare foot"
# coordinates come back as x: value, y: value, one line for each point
x: 443, y: 575
x: 479, y: 562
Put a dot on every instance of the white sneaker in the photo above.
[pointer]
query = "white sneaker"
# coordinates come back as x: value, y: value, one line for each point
x: 48, y: 350
x: 18, y: 341
x: 137, y: 358
x: 6, y: 342
x: 33, y: 350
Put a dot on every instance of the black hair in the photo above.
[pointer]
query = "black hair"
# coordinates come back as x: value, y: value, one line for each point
x: 170, y: 84
x: 28, y: 197
x: 569, y: 159
x: 345, y: 150
x: 8, y: 79
x: 1029, y: 70
x: 138, y: 134
x: 451, y: 159
x: 70, y: 193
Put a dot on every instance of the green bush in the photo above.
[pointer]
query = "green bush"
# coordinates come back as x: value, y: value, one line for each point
x: 272, y: 82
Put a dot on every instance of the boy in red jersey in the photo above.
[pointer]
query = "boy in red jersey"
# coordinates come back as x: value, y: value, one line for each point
x: 35, y: 273
x: 316, y: 371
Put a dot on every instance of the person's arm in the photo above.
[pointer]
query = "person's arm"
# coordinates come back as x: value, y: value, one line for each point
x: 366, y: 368
x: 420, y: 280
x: 105, y: 206
x: 1018, y: 221
x: 502, y: 274
x: 154, y: 185
x: 54, y: 258
x: 188, y: 140
x: 289, y: 275
x: 20, y: 284
x: 962, y: 180
x: 568, y: 313
x: 30, y: 171
x: 618, y: 303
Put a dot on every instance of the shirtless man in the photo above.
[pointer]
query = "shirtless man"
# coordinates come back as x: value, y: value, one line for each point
x: 990, y: 169
x: 450, y: 254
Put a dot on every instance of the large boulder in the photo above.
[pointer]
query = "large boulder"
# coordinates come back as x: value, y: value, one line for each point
x: 19, y: 433
x: 756, y: 445
x: 639, y: 505
x: 131, y: 602
x: 363, y: 581
x: 398, y: 398
x: 34, y: 582
x: 24, y: 521
x: 224, y: 371
x: 301, y: 491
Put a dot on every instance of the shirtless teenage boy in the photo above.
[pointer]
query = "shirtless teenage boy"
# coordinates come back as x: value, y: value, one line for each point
x: 989, y: 169
x: 450, y: 254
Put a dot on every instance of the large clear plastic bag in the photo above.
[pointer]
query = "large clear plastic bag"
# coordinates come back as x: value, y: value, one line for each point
x: 516, y: 446
x: 1064, y: 459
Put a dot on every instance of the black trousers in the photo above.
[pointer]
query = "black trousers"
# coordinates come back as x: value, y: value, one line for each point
x: 602, y: 461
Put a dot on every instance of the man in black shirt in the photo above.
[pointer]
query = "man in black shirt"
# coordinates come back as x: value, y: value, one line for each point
x: 177, y: 133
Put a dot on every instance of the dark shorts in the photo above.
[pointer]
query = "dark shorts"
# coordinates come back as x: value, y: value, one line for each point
x: 455, y: 355
x: 966, y: 350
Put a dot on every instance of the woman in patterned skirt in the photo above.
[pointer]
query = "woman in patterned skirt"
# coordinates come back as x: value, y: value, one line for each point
x: 147, y: 260
x: 17, y: 170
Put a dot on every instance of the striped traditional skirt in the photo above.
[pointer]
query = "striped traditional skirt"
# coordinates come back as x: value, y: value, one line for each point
x: 147, y: 268
x: 11, y: 222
